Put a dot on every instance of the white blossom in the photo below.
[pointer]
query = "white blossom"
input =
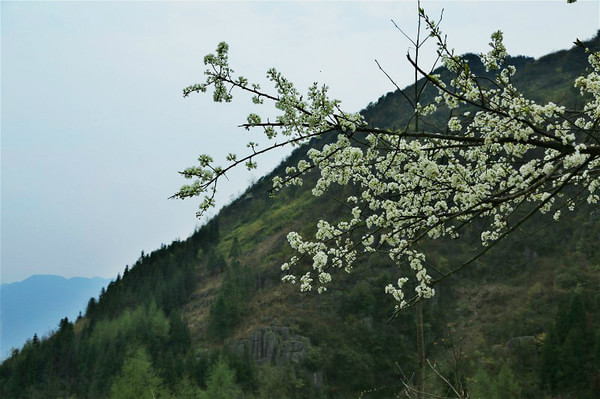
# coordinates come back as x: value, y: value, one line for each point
x: 411, y: 184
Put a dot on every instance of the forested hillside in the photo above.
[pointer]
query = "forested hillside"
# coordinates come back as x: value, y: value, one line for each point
x: 208, y: 316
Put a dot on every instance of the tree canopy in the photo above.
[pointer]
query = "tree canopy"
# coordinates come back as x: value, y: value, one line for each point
x: 138, y: 378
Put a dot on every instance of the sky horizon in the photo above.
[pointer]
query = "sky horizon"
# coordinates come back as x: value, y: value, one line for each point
x: 95, y: 128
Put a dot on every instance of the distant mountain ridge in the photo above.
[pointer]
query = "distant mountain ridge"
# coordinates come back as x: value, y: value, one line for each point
x: 36, y: 304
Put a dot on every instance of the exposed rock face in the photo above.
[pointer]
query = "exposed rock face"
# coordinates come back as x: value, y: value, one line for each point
x: 279, y: 346
x: 275, y: 345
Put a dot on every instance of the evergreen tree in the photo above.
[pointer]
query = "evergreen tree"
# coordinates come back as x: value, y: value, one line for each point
x: 506, y: 383
x: 186, y: 389
x: 137, y: 379
x: 550, y: 361
x: 502, y: 387
x: 234, y: 252
x: 221, y: 383
x: 274, y: 383
x: 231, y: 303
x: 215, y: 262
x: 483, y: 386
x: 568, y: 359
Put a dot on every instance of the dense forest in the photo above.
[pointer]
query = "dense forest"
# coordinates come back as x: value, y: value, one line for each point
x: 207, y: 317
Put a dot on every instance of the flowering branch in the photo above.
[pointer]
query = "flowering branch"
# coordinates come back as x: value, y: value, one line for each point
x: 418, y: 182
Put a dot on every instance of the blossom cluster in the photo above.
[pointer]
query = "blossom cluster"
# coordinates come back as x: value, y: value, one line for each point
x: 486, y: 164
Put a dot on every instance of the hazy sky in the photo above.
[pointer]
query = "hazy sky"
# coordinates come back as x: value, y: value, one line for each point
x: 94, y: 126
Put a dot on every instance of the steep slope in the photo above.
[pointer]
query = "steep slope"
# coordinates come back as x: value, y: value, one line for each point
x: 506, y: 320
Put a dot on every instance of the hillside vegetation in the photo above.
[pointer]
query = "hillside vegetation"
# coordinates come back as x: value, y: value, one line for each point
x: 209, y: 317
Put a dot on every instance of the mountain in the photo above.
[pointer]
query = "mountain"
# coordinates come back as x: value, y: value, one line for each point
x: 210, y: 312
x: 34, y: 306
x: 549, y: 78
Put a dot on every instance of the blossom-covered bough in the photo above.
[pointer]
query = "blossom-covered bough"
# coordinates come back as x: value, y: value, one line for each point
x: 500, y: 159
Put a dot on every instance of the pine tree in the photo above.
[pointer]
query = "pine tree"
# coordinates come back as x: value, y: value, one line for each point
x: 234, y: 253
x: 186, y: 389
x: 567, y: 355
x: 506, y: 384
x: 137, y: 379
x: 221, y: 383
